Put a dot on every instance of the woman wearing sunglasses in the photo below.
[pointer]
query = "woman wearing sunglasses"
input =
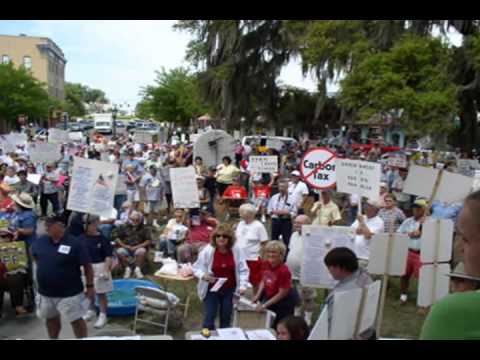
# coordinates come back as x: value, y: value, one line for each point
x: 221, y: 259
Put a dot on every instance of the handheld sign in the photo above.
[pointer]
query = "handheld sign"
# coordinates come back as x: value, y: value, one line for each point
x: 184, y: 188
x: 359, y: 177
x: 92, y: 188
x: 397, y: 160
x: 437, y: 241
x: 317, y: 242
x: 263, y: 164
x: 388, y: 254
x: 433, y: 284
x: 14, y: 255
x: 318, y: 168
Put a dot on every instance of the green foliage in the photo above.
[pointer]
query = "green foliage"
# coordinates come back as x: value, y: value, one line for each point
x: 175, y: 97
x: 410, y: 81
x: 74, y: 95
x: 21, y: 93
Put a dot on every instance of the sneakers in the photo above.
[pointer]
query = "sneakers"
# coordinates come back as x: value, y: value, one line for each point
x: 138, y: 273
x: 403, y: 299
x: 90, y: 315
x: 128, y: 273
x: 101, y: 321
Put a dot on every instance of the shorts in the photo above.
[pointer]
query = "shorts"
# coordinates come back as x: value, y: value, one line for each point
x: 133, y: 196
x: 72, y: 308
x: 130, y: 254
x: 413, y: 264
x: 102, y: 285
x: 152, y: 206
x: 255, y: 267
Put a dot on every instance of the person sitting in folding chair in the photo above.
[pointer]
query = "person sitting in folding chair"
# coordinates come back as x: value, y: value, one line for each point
x: 234, y: 196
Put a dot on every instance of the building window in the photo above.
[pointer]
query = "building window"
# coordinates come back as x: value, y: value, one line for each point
x: 27, y: 62
x: 5, y: 59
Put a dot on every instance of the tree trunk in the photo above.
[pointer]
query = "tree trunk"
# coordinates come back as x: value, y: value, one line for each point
x: 468, y: 118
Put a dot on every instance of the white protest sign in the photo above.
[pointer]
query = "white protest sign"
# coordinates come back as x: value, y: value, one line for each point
x: 317, y: 242
x: 452, y: 187
x: 263, y: 164
x: 397, y: 160
x: 44, y: 152
x: 92, y: 188
x: 142, y: 137
x: 320, y: 329
x: 476, y: 181
x: 318, y: 168
x: 10, y: 141
x: 75, y: 136
x: 379, y: 247
x: 184, y: 188
x: 57, y: 136
x: 358, y: 177
x: 463, y: 166
x: 433, y: 285
x: 354, y: 311
x: 34, y: 178
x: 436, y: 241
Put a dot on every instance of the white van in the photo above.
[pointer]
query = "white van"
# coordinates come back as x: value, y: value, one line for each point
x: 103, y: 124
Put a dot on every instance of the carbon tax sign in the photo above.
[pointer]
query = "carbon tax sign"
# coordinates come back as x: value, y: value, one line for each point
x: 318, y: 168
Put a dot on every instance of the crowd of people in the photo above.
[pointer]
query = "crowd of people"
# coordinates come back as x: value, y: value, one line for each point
x: 259, y: 253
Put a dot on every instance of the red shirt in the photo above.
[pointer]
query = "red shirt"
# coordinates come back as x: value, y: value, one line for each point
x: 276, y: 279
x: 235, y: 192
x: 262, y: 191
x: 224, y: 267
x: 201, y: 233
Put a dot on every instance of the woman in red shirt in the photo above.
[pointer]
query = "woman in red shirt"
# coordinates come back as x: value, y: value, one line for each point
x: 6, y: 204
x: 220, y: 259
x: 275, y: 291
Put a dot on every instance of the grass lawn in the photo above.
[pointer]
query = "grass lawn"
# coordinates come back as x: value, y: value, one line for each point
x: 399, y: 321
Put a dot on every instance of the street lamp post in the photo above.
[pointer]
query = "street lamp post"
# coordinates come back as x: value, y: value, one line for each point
x: 65, y: 120
x: 114, y: 117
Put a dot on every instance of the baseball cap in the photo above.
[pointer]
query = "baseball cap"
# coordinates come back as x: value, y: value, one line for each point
x: 420, y: 203
x: 296, y: 173
x: 383, y: 184
x: 374, y: 203
x: 55, y: 219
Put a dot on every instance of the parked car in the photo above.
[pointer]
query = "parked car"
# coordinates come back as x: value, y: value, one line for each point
x: 384, y: 148
x: 272, y: 142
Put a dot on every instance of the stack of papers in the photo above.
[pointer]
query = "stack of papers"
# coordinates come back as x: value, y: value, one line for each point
x: 231, y: 334
x: 260, y: 335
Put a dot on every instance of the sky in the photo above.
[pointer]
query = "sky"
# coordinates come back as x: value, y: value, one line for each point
x: 121, y: 56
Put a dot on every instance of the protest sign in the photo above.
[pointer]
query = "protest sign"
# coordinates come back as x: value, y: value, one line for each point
x: 354, y: 311
x: 10, y: 141
x: 397, y: 160
x: 358, y: 177
x: 34, y: 178
x: 57, y: 136
x: 318, y: 168
x: 320, y: 329
x: 476, y: 181
x: 121, y: 186
x: 184, y: 188
x: 433, y: 284
x: 75, y: 136
x: 436, y: 241
x: 14, y: 255
x: 388, y: 254
x: 92, y: 188
x: 263, y: 164
x: 450, y: 187
x: 143, y: 137
x: 317, y: 242
x: 463, y: 166
x: 44, y: 152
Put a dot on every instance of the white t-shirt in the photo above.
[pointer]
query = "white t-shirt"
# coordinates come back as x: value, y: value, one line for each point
x: 11, y: 180
x: 296, y: 191
x: 294, y: 258
x: 361, y: 246
x: 249, y: 237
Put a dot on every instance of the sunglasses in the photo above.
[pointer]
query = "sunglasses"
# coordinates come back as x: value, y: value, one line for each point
x: 223, y: 236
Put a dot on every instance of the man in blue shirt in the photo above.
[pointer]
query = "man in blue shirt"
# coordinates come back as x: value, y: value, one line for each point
x: 59, y: 258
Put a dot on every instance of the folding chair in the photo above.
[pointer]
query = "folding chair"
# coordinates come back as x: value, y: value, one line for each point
x: 158, y: 303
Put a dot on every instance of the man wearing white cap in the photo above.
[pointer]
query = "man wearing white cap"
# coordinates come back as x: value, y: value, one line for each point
x: 365, y: 227
x: 297, y: 190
